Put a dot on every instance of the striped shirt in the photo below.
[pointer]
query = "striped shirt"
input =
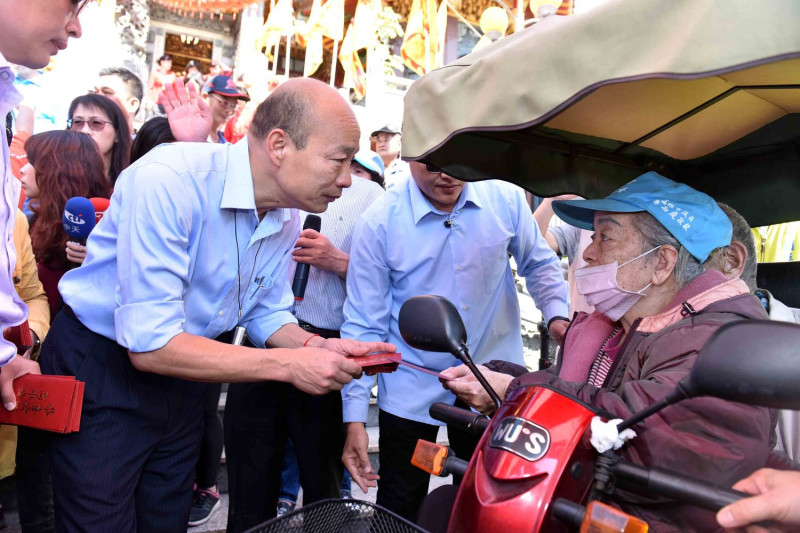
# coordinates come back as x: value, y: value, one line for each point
x: 608, y: 353
x: 325, y: 292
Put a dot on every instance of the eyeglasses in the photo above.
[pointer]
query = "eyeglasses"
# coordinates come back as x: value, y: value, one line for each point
x: 78, y: 5
x: 432, y: 168
x: 95, y: 124
x: 227, y: 102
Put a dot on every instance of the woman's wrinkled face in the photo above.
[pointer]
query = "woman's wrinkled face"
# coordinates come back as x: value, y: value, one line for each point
x: 616, y: 238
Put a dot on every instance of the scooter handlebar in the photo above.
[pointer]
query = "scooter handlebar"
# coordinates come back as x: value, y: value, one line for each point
x: 468, y: 421
x: 682, y: 488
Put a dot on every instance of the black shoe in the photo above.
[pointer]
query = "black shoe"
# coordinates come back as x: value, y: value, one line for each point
x: 204, y: 503
x: 285, y: 506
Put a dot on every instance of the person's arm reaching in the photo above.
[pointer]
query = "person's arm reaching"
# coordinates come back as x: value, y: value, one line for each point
x: 159, y: 215
x: 540, y: 268
x: 367, y: 312
x: 544, y: 214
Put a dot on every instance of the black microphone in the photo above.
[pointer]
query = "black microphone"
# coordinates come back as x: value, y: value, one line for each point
x: 301, y: 273
x: 449, y: 223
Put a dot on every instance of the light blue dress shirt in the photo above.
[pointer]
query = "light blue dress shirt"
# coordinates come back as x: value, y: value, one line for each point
x: 402, y: 248
x: 163, y: 260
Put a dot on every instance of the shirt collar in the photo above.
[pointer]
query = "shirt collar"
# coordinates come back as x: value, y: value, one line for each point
x: 3, y: 62
x: 421, y: 206
x: 237, y: 193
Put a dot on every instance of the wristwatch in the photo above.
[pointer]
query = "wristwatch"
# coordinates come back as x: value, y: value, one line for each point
x: 37, y: 345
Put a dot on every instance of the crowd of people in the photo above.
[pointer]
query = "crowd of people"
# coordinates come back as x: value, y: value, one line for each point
x: 186, y: 284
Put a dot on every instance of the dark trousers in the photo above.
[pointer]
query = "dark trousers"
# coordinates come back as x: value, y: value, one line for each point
x: 131, y: 465
x: 33, y: 481
x: 211, y: 445
x: 402, y: 486
x: 258, y: 419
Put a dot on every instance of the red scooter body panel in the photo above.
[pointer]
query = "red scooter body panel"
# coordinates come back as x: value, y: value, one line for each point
x: 533, y: 452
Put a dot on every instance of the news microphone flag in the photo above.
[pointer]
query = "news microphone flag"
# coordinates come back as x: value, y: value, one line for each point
x: 78, y: 219
x: 100, y: 206
x: 301, y: 273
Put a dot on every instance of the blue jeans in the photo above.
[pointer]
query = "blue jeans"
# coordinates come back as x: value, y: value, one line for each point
x: 290, y: 475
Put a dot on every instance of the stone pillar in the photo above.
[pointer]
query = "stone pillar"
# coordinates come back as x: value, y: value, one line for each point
x: 159, y: 44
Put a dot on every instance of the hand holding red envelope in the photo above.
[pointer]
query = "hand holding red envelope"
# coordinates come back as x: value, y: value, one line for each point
x: 375, y: 363
x: 52, y: 403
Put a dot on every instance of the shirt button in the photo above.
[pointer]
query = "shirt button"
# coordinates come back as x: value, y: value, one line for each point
x: 4, y: 75
x: 458, y: 267
x: 221, y: 313
x: 464, y: 307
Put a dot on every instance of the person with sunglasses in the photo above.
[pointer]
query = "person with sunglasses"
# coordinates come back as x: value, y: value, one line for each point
x: 103, y: 120
x: 434, y: 234
x: 31, y: 31
x: 222, y: 96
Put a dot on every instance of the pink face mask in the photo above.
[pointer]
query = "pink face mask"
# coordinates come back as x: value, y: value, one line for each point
x: 598, y: 284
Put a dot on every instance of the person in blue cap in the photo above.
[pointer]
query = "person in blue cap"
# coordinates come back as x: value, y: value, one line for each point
x: 368, y: 165
x: 656, y: 304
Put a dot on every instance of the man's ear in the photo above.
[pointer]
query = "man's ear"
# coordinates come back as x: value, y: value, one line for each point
x: 666, y: 259
x: 734, y: 259
x: 134, y: 104
x: 278, y: 145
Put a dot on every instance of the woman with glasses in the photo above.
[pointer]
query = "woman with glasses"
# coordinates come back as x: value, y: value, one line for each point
x: 103, y: 120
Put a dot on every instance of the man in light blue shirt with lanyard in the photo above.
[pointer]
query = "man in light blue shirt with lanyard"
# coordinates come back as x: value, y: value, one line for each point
x: 196, y: 243
x: 434, y: 234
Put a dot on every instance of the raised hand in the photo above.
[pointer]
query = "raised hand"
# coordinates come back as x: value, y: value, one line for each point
x: 188, y: 114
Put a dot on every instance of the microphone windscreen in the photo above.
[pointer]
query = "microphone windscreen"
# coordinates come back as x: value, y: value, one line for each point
x: 78, y: 218
x: 313, y: 222
x: 100, y: 206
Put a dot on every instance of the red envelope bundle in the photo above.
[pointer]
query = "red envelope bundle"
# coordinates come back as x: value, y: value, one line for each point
x: 375, y: 363
x: 388, y: 362
x: 52, y: 403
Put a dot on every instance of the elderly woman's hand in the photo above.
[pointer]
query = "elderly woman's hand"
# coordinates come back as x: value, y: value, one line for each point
x: 76, y: 253
x: 462, y: 383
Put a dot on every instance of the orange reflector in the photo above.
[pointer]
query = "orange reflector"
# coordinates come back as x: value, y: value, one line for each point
x: 429, y: 457
x: 601, y: 518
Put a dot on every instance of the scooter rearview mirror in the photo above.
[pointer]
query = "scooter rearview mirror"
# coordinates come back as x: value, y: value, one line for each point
x: 432, y: 323
x: 753, y: 361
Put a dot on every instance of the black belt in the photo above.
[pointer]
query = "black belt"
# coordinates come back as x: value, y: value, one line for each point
x: 322, y: 332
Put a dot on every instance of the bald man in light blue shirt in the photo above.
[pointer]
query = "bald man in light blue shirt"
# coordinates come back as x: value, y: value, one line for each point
x: 196, y: 242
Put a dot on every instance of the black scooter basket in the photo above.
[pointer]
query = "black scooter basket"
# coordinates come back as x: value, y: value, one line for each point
x: 338, y: 516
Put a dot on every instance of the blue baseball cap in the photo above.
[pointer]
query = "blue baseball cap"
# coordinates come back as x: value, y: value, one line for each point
x: 692, y: 217
x: 371, y: 161
x: 225, y: 86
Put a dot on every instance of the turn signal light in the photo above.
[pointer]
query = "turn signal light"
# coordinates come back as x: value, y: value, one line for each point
x: 429, y: 457
x: 601, y: 518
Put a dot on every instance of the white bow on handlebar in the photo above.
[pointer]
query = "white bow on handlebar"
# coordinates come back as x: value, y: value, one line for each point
x: 606, y: 436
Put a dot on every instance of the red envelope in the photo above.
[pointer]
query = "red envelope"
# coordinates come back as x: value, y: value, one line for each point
x: 375, y: 363
x: 51, y: 403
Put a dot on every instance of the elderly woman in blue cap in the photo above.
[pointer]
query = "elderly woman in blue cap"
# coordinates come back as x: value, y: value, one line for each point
x: 368, y: 165
x: 655, y: 307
